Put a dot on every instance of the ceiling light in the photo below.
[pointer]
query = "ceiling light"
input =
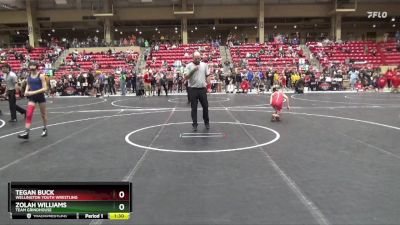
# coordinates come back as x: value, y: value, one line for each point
x: 121, y: 32
x: 275, y: 26
x: 18, y: 31
x: 195, y: 28
x: 116, y: 30
x: 295, y: 26
x: 373, y: 25
x: 235, y: 27
x: 52, y: 30
x: 140, y: 32
x: 176, y: 28
x: 213, y: 27
x: 393, y: 19
x: 97, y: 31
x: 61, y: 2
x: 136, y: 30
x: 394, y: 25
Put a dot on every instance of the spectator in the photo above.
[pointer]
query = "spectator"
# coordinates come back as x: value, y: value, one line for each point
x: 170, y: 81
x: 101, y: 79
x: 180, y: 82
x: 353, y: 74
x: 250, y: 77
x: 111, y: 83
x: 397, y: 36
x: 153, y: 83
x: 133, y: 82
x: 106, y: 85
x: 238, y: 80
x: 122, y: 83
x: 140, y: 86
x: 385, y: 37
x: 129, y: 83
x: 147, y: 83
x: 245, y: 85
x: 389, y: 75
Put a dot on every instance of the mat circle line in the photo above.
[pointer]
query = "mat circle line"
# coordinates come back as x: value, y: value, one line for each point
x: 277, y: 136
x: 358, y: 97
x: 325, y: 101
x: 125, y: 106
x: 80, y: 105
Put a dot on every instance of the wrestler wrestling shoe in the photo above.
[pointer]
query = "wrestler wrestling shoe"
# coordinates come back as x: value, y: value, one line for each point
x: 24, y: 135
x: 44, y: 133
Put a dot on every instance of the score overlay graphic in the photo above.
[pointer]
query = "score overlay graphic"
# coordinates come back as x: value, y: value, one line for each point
x: 70, y: 200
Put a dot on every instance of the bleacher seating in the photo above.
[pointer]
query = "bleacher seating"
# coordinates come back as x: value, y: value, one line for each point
x: 37, y: 54
x: 270, y: 58
x: 390, y: 55
x: 170, y: 55
x: 105, y: 62
x: 348, y: 52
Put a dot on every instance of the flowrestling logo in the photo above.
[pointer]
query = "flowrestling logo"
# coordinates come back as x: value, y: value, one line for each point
x: 377, y: 14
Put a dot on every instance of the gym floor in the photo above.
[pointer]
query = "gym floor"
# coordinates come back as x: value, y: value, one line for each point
x: 333, y: 159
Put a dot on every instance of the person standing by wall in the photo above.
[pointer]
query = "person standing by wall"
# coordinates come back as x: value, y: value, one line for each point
x: 105, y: 83
x: 163, y: 84
x: 180, y: 83
x: 250, y: 78
x: 111, y: 84
x: 82, y: 84
x: 101, y: 83
x: 353, y: 78
x: 196, y: 73
x: 122, y: 83
x: 147, y: 83
x: 170, y: 81
x: 238, y: 80
x: 133, y: 82
x: 11, y: 86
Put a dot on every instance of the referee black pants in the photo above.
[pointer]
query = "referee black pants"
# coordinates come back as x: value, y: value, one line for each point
x: 12, y: 101
x: 195, y: 95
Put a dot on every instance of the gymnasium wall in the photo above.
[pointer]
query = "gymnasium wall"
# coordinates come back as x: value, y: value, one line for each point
x: 203, y: 12
x: 49, y: 17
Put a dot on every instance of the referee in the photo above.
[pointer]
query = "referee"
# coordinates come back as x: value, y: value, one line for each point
x: 196, y: 73
x: 11, y: 86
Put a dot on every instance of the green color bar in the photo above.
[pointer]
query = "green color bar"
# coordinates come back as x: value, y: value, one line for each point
x: 94, y: 206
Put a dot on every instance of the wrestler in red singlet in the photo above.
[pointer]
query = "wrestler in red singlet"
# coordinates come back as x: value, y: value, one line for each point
x: 276, y: 101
